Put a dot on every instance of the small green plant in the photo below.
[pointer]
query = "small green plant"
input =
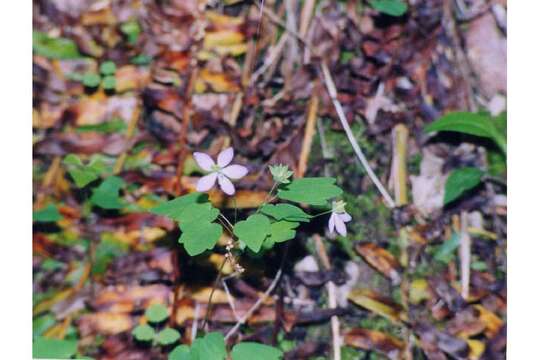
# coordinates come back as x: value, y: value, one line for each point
x: 106, y: 77
x: 389, y: 7
x: 480, y: 125
x: 212, y: 346
x: 156, y: 314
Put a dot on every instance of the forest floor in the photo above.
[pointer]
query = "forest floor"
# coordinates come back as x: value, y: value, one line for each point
x: 133, y: 88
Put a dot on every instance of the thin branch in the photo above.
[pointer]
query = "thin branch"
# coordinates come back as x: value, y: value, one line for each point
x: 255, y: 306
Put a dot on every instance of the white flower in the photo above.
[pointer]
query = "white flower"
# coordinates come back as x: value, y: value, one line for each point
x: 221, y: 171
x: 338, y: 218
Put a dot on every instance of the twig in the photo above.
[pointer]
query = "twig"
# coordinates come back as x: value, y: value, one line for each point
x: 255, y: 306
x: 400, y: 134
x: 195, y: 324
x: 331, y: 87
x: 464, y: 256
x: 332, y: 300
x: 230, y: 299
x: 308, y: 134
x: 216, y: 282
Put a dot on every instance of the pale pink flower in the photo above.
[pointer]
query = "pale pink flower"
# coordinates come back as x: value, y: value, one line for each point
x: 338, y: 218
x: 222, y: 171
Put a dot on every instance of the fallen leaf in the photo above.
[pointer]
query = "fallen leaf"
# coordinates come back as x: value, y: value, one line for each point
x: 380, y: 259
x: 378, y: 304
x: 374, y: 340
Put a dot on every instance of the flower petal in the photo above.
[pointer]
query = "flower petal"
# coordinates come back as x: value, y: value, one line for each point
x: 226, y: 185
x: 340, y: 226
x: 331, y: 223
x: 225, y: 157
x: 204, y: 161
x: 345, y: 217
x: 206, y: 182
x: 235, y: 171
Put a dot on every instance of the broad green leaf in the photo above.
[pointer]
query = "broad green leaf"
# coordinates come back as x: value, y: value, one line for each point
x: 107, y: 68
x: 174, y: 208
x: 445, y: 252
x: 168, y: 336
x: 198, y: 237
x: 285, y: 212
x: 469, y: 123
x: 460, y: 181
x: 181, y: 352
x: 54, y: 48
x: 253, y: 231
x: 108, y: 127
x: 144, y: 333
x: 156, y: 313
x: 198, y: 213
x: 109, y: 82
x: 281, y: 231
x: 313, y: 191
x: 211, y: 346
x: 107, y: 194
x: 389, y: 7
x: 91, y: 80
x: 47, y: 214
x: 45, y: 348
x: 249, y: 350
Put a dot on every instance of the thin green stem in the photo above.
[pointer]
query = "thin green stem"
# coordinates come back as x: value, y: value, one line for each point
x: 268, y: 197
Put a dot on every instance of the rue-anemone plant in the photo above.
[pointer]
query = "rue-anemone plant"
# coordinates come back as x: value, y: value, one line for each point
x: 289, y: 203
x: 275, y: 221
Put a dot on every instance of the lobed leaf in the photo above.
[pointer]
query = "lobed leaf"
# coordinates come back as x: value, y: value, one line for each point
x: 175, y: 208
x: 54, y: 48
x: 197, y: 237
x: 156, y: 313
x: 143, y: 333
x: 45, y: 348
x: 211, y: 346
x: 253, y: 231
x: 168, y: 336
x: 107, y: 194
x: 47, y: 214
x: 286, y: 212
x: 281, y: 231
x: 313, y: 191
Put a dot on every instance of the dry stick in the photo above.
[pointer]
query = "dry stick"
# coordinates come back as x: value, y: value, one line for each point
x: 218, y: 279
x: 305, y: 16
x: 332, y: 300
x: 255, y: 306
x: 465, y: 256
x: 400, y: 134
x: 331, y: 87
x: 308, y: 134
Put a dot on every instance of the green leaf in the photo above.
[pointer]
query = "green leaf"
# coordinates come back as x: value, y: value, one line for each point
x: 109, y: 82
x: 45, y: 348
x: 198, y: 213
x: 212, y: 346
x: 168, y: 336
x: 132, y: 30
x: 107, y: 68
x: 445, y: 252
x: 286, y: 212
x: 313, y: 191
x: 460, y: 181
x: 107, y: 250
x: 175, y: 208
x: 181, y: 352
x: 281, y: 231
x: 144, y: 333
x: 198, y: 237
x: 47, y: 214
x: 91, y: 80
x: 389, y: 7
x: 475, y: 124
x: 253, y: 231
x: 107, y: 127
x: 84, y: 174
x: 156, y: 313
x: 249, y: 350
x: 141, y: 59
x: 54, y: 48
x: 41, y: 324
x: 107, y: 194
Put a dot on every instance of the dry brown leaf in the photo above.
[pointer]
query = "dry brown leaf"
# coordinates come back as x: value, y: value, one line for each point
x: 492, y: 322
x: 375, y: 340
x: 107, y: 323
x: 378, y: 304
x: 123, y: 298
x: 214, y: 81
x: 381, y: 260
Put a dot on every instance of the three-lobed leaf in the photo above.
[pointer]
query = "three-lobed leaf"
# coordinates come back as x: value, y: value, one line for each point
x: 313, y: 191
x: 282, y: 230
x: 84, y: 174
x: 54, y: 48
x: 470, y: 123
x: 389, y: 7
x: 249, y: 350
x: 107, y: 194
x: 175, y: 208
x: 197, y: 237
x: 253, y: 231
x: 285, y: 212
x: 211, y: 346
x: 156, y: 313
x: 460, y: 181
x: 181, y: 352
